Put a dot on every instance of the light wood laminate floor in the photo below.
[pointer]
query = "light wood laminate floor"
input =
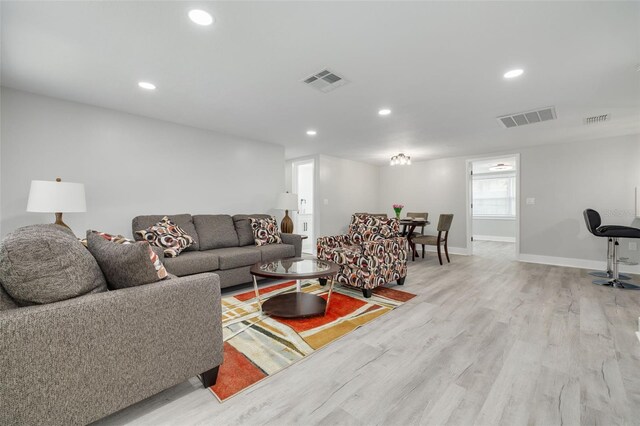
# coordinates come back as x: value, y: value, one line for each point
x: 488, y: 341
x: 494, y: 249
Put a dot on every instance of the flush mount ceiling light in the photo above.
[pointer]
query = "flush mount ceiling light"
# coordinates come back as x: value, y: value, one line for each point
x: 311, y: 132
x: 146, y: 85
x: 200, y: 17
x: 400, y: 160
x: 513, y: 73
x: 384, y: 111
x: 500, y: 167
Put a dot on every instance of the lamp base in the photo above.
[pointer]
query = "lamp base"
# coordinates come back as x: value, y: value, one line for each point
x: 60, y: 222
x: 286, y: 226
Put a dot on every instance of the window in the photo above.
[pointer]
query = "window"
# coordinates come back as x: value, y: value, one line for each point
x: 494, y: 195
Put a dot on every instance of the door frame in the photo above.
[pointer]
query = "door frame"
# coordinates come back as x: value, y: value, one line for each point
x: 294, y: 189
x: 469, y: 212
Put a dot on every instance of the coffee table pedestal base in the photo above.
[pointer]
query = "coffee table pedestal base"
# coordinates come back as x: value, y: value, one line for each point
x: 295, y: 305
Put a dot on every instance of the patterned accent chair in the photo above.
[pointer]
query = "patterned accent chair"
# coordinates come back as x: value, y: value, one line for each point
x: 370, y: 255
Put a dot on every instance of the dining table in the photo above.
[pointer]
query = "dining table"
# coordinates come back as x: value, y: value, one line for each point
x: 409, y: 225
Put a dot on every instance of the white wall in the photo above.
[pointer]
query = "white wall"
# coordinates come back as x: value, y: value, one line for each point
x: 347, y: 186
x: 494, y: 229
x: 436, y: 187
x: 344, y: 188
x: 130, y: 165
x: 564, y: 179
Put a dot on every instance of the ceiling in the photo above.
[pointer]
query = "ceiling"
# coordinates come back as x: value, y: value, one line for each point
x: 437, y: 65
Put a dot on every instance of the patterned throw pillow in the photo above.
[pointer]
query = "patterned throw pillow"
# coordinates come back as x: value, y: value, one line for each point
x: 167, y: 235
x: 265, y: 231
x: 119, y: 239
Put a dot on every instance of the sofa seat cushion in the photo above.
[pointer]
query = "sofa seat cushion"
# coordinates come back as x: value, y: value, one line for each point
x: 276, y: 251
x: 215, y: 231
x: 47, y: 263
x: 243, y: 228
x: 184, y: 221
x: 191, y: 262
x: 235, y: 257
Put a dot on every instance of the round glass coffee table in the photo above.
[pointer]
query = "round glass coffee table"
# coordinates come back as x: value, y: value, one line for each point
x: 296, y: 304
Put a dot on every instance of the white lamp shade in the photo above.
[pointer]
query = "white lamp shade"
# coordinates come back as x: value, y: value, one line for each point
x: 287, y: 201
x: 56, y: 197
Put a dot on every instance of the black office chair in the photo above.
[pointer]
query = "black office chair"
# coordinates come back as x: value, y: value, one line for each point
x: 612, y: 233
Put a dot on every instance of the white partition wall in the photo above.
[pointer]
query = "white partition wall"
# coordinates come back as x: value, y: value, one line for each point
x: 130, y: 165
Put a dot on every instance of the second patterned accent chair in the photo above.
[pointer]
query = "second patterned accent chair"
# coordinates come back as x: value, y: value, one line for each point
x: 370, y: 255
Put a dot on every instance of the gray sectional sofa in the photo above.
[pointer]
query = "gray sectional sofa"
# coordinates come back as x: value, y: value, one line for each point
x: 77, y: 360
x: 223, y: 244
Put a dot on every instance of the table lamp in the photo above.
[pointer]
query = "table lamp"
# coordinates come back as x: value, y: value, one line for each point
x: 56, y: 197
x: 286, y: 202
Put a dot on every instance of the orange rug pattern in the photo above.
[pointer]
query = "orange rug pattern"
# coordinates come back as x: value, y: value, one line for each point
x: 257, y: 346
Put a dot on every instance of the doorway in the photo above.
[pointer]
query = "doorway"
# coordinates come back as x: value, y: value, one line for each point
x: 303, y: 183
x: 493, y: 221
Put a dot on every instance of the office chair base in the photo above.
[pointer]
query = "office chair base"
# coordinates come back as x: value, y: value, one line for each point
x: 616, y: 284
x: 605, y: 274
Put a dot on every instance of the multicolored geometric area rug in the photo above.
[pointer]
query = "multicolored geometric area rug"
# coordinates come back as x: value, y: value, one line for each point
x: 257, y: 346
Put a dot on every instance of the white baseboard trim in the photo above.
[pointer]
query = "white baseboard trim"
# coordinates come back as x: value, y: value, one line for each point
x: 494, y: 238
x: 452, y: 250
x: 570, y: 262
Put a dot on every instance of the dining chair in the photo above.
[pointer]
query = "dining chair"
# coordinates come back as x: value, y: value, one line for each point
x: 444, y: 225
x: 423, y: 216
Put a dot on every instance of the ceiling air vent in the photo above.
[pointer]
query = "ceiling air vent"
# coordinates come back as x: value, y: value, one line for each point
x: 596, y: 119
x: 325, y: 81
x: 529, y: 117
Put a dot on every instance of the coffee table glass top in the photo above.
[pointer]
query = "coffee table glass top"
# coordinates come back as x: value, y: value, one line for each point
x: 295, y: 267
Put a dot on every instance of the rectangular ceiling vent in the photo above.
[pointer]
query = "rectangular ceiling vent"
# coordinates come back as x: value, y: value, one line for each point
x: 325, y: 81
x: 529, y: 117
x: 596, y: 119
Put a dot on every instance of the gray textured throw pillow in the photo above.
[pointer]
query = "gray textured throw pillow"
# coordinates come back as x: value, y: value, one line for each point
x: 124, y: 265
x: 6, y: 302
x: 46, y: 263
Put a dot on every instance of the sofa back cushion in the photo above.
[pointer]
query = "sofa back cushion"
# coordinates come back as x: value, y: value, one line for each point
x: 243, y: 228
x: 365, y: 228
x: 215, y: 231
x: 184, y: 221
x: 47, y: 263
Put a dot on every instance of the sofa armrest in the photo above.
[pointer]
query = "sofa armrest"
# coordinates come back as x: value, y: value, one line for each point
x: 295, y: 240
x: 397, y: 247
x: 75, y: 361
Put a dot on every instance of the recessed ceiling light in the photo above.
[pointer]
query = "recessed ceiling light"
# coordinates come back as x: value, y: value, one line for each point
x: 384, y: 111
x: 513, y: 73
x: 311, y: 132
x: 200, y: 17
x: 146, y: 85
